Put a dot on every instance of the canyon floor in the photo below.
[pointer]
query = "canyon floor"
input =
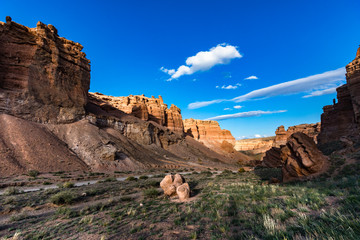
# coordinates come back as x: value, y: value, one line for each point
x: 223, y: 205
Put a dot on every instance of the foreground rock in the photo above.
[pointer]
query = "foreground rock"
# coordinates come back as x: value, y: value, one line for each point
x: 173, y: 185
x: 301, y: 158
x: 342, y: 119
x: 44, y: 77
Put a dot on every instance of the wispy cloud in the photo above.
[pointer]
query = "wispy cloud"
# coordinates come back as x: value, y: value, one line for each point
x: 251, y: 78
x: 204, y: 60
x: 321, y: 92
x: 230, y: 86
x: 227, y: 109
x: 238, y: 107
x: 245, y: 114
x: 318, y: 82
x: 204, y: 104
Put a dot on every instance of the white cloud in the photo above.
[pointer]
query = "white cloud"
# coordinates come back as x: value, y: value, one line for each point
x: 227, y: 109
x: 251, y: 78
x: 257, y: 135
x: 238, y: 107
x: 204, y: 104
x: 204, y: 60
x: 315, y: 83
x: 244, y: 114
x: 321, y: 92
x: 230, y: 86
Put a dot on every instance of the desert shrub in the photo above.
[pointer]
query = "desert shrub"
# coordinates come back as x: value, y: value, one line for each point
x: 241, y: 170
x: 46, y: 183
x: 151, y: 193
x: 66, y: 213
x: 143, y: 177
x: 33, y: 173
x: 63, y: 197
x: 11, y: 191
x: 109, y: 179
x: 131, y: 178
x: 68, y: 185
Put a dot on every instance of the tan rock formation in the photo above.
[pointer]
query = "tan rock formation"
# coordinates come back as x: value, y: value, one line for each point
x: 207, y: 132
x: 301, y: 158
x: 342, y: 119
x: 44, y: 77
x: 147, y: 109
x: 183, y: 191
x: 255, y: 145
x: 312, y: 130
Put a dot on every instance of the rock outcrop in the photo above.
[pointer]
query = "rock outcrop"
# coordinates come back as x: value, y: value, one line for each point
x: 147, y: 109
x: 254, y: 145
x: 44, y: 77
x: 342, y: 119
x: 312, y: 130
x: 207, y: 132
x: 301, y: 158
x: 173, y: 185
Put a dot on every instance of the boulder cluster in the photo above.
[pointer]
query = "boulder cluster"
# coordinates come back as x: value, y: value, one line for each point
x: 175, y: 185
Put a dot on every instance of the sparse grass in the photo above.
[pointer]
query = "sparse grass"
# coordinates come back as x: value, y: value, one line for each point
x: 68, y: 185
x: 151, y: 193
x: 11, y: 191
x: 33, y: 173
x: 131, y: 178
x: 63, y: 197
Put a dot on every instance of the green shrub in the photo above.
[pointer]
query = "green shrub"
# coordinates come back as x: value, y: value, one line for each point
x: 61, y: 198
x: 143, y: 177
x: 68, y: 185
x: 33, y: 173
x: 151, y: 193
x: 11, y: 191
x: 131, y: 178
x: 241, y: 170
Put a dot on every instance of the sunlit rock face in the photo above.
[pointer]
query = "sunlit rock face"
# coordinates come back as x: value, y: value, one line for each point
x: 147, y: 109
x: 342, y: 119
x: 43, y: 77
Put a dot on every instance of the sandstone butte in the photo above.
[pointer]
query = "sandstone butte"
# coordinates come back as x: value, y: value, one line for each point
x: 147, y: 109
x: 51, y: 124
x: 341, y: 121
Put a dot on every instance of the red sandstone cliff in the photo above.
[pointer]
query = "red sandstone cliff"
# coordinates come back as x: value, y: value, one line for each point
x: 312, y: 130
x: 207, y: 132
x: 44, y: 77
x: 342, y: 119
x: 147, y: 109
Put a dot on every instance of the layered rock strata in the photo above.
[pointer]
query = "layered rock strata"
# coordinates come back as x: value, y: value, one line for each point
x: 342, y: 119
x: 147, y: 109
x: 301, y: 158
x: 44, y: 77
x: 207, y: 132
x: 255, y: 145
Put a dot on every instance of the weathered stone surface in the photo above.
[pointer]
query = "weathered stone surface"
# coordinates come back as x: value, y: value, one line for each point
x: 312, y: 130
x: 207, y: 132
x: 183, y: 191
x: 44, y: 77
x: 255, y: 145
x: 342, y: 119
x: 147, y: 109
x: 272, y: 158
x: 173, y: 185
x: 301, y: 158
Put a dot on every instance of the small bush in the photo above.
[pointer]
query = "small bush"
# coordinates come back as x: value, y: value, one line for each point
x: 46, y: 183
x: 109, y: 179
x: 33, y: 173
x: 11, y: 191
x: 131, y: 178
x: 66, y: 213
x: 151, y: 193
x: 61, y: 198
x: 68, y: 185
x: 241, y: 170
x: 143, y: 177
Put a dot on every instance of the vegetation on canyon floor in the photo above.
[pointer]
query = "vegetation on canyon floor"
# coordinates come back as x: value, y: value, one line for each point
x: 241, y: 205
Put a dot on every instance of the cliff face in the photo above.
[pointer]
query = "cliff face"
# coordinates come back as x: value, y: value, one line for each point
x: 255, y: 145
x: 207, y: 132
x: 312, y: 130
x: 147, y: 109
x: 342, y: 119
x: 44, y: 77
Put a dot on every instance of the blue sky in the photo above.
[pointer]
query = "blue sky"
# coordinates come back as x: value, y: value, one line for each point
x: 129, y: 42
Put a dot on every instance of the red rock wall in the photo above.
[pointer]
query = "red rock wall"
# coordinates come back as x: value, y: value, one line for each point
x: 312, y: 130
x: 342, y: 119
x: 43, y: 77
x: 147, y: 109
x: 207, y: 132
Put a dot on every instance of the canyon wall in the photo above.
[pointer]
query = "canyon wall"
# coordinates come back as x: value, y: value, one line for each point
x: 207, y: 132
x: 342, y: 119
x: 312, y: 130
x: 44, y: 77
x: 255, y: 145
x: 147, y: 109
